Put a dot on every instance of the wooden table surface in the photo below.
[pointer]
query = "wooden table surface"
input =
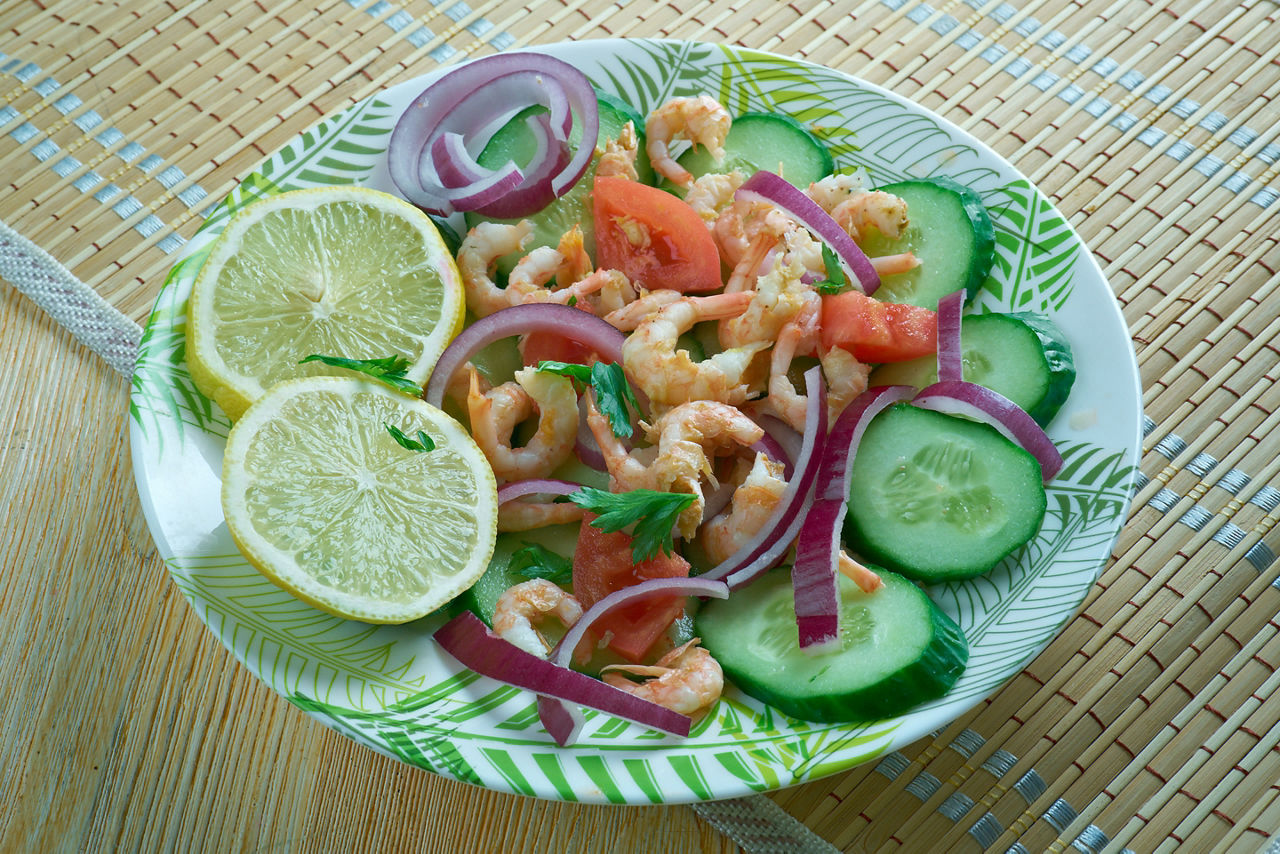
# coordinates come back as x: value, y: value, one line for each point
x: 127, y: 726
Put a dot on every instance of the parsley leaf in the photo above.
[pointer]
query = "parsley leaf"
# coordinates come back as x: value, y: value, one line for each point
x: 652, y: 515
x: 535, y: 561
x: 390, y: 370
x: 613, y: 393
x: 422, y: 443
x: 836, y: 280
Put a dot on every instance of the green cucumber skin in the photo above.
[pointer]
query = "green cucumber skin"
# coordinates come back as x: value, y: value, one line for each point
x: 931, y: 199
x: 802, y: 157
x: 1059, y: 360
x: 935, y: 654
x: 987, y: 341
x: 901, y: 443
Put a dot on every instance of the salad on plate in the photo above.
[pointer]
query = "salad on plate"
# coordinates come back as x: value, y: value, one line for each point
x: 749, y: 416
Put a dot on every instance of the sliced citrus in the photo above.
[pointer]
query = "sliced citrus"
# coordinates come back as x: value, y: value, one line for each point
x: 336, y: 271
x: 323, y: 499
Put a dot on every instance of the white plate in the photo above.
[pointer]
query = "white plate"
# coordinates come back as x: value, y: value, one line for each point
x: 392, y: 689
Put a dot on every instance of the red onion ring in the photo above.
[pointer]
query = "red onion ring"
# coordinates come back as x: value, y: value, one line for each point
x: 517, y: 320
x: 990, y: 407
x: 950, y: 356
x: 463, y: 101
x: 767, y: 187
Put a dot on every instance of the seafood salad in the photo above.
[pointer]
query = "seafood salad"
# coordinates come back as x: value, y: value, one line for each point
x: 695, y: 365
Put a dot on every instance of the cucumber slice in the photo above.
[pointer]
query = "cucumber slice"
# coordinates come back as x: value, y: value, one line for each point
x: 514, y: 142
x: 949, y: 231
x: 1024, y: 356
x: 937, y: 497
x: 897, y: 650
x: 769, y: 141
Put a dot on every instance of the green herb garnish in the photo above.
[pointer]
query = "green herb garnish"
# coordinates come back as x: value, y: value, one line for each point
x: 650, y: 514
x: 535, y: 561
x: 613, y: 393
x: 390, y: 370
x: 836, y: 280
x: 422, y: 443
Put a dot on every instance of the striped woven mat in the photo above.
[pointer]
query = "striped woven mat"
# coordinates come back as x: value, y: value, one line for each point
x: 1151, y: 723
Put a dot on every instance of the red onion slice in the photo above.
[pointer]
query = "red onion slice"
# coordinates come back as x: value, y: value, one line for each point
x: 950, y: 357
x: 467, y: 101
x: 535, y: 486
x: 814, y: 576
x: 767, y: 187
x: 564, y: 320
x: 990, y: 407
x: 469, y: 640
x: 773, y: 539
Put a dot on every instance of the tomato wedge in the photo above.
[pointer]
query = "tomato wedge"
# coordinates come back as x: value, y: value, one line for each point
x: 875, y: 331
x: 653, y: 237
x: 601, y: 565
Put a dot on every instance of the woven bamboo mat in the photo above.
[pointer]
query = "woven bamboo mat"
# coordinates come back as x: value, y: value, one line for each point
x: 1151, y: 723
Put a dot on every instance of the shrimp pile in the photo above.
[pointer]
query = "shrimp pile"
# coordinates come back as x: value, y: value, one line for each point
x: 699, y: 434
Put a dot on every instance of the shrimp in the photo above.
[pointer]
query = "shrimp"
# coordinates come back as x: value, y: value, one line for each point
x: 710, y: 194
x: 701, y: 120
x: 752, y: 504
x: 496, y: 413
x: 522, y: 605
x: 749, y: 508
x: 670, y: 376
x: 577, y: 264
x: 619, y: 156
x: 861, y: 212
x: 858, y: 210
x: 481, y: 249
x: 686, y: 437
x: 626, y: 318
x: 615, y: 293
x: 778, y: 297
x: 832, y: 190
x: 846, y: 377
x: 685, y: 680
x: 739, y: 224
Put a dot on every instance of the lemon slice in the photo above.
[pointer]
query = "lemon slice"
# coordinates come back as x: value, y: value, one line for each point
x: 324, y: 501
x: 335, y: 271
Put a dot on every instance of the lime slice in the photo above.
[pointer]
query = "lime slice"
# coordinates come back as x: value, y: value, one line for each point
x: 335, y: 271
x: 325, y: 502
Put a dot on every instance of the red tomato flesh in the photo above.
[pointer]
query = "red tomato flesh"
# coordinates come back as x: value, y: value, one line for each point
x: 601, y: 565
x: 653, y: 237
x: 875, y: 331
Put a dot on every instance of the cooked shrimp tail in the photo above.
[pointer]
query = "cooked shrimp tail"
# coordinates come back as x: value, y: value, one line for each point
x: 686, y: 680
x: 701, y: 120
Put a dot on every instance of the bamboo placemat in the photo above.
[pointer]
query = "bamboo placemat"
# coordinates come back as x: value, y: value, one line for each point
x: 1149, y: 724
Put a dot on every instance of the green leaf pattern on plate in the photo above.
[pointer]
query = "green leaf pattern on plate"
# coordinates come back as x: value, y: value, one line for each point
x: 391, y: 689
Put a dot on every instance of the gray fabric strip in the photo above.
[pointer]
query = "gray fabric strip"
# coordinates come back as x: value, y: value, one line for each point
x: 69, y: 301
